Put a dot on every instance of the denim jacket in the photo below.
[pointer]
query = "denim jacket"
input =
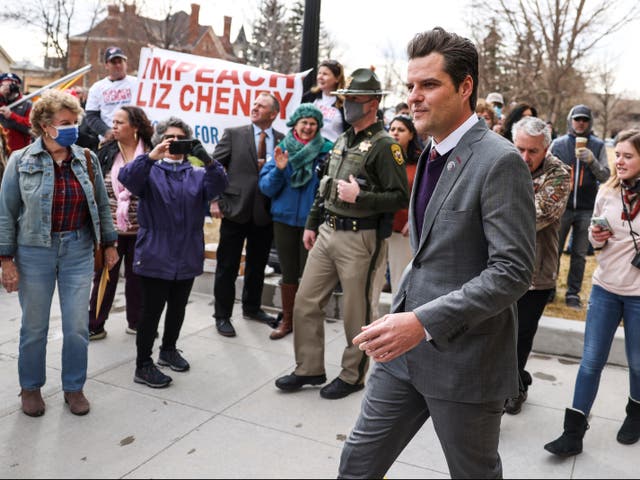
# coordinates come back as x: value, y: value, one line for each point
x: 26, y: 199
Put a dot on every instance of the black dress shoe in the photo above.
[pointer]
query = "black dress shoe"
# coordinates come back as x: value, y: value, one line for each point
x: 225, y: 328
x: 261, y: 316
x: 296, y: 382
x: 514, y: 405
x: 338, y: 388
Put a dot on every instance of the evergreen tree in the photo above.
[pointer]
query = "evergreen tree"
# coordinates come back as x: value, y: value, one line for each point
x: 276, y: 37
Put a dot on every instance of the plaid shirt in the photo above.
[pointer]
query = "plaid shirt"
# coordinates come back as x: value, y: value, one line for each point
x: 70, y: 209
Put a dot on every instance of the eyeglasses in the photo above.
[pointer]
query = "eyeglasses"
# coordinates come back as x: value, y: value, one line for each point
x: 581, y: 119
x: 176, y: 137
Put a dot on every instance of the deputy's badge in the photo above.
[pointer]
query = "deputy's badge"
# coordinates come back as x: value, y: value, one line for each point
x: 451, y: 165
x: 396, y: 151
x: 365, y: 146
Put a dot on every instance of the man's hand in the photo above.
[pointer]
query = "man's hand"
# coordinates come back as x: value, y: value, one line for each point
x: 215, y: 211
x: 10, y: 276
x: 348, y: 191
x: 584, y: 155
x: 5, y: 111
x: 309, y: 239
x: 108, y: 135
x: 390, y: 336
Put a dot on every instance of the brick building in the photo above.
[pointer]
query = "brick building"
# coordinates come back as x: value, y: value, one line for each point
x: 123, y: 27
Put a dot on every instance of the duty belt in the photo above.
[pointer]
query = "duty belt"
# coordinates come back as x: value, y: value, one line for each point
x: 352, y: 224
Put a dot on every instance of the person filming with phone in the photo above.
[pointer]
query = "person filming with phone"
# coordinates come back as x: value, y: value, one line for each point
x: 169, y: 249
x: 615, y: 296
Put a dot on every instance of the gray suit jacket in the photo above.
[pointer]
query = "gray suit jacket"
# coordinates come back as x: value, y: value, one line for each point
x: 472, y: 261
x: 242, y: 201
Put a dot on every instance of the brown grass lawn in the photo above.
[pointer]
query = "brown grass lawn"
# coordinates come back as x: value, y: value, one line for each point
x: 558, y: 308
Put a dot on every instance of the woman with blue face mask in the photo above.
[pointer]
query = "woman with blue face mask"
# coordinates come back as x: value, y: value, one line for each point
x: 50, y: 218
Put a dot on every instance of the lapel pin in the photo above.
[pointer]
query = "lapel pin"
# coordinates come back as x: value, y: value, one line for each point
x: 451, y: 165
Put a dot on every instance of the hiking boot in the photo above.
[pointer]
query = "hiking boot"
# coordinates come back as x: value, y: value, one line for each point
x: 173, y: 360
x: 151, y: 376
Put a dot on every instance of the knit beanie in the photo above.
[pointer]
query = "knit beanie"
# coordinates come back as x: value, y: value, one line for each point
x: 306, y: 110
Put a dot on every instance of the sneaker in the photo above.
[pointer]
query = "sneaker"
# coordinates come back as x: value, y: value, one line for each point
x: 98, y: 334
x: 131, y: 330
x: 224, y: 327
x: 573, y: 302
x: 173, y: 360
x: 151, y: 376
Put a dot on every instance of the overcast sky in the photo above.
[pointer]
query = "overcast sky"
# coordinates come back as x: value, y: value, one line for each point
x: 363, y: 30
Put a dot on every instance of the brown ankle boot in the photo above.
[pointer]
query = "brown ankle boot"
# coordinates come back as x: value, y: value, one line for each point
x: 288, y: 293
x: 78, y: 403
x: 32, y: 402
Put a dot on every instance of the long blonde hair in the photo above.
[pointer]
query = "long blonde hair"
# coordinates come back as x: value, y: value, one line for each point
x: 633, y: 137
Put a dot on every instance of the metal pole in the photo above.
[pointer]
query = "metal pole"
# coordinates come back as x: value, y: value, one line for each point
x: 80, y: 71
x: 310, y: 41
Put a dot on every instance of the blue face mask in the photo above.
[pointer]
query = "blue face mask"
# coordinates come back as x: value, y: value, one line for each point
x: 498, y: 111
x: 67, y: 135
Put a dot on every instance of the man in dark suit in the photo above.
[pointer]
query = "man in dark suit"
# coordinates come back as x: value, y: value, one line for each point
x: 245, y: 215
x: 448, y: 350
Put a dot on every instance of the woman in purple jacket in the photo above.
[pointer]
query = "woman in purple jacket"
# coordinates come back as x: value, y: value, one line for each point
x: 169, y: 250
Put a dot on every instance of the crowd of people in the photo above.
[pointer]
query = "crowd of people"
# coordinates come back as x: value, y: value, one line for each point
x: 461, y: 204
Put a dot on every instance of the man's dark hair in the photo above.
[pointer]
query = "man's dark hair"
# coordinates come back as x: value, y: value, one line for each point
x: 460, y: 56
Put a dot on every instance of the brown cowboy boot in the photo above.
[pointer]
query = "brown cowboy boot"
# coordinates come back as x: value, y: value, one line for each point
x: 288, y: 293
x: 32, y: 402
x: 78, y: 403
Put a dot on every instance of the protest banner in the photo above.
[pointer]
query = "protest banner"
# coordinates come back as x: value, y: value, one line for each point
x: 209, y: 94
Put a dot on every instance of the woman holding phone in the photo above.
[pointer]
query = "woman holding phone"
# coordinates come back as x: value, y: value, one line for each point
x: 615, y: 296
x: 169, y: 250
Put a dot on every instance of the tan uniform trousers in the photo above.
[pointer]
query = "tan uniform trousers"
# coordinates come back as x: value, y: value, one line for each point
x: 350, y: 257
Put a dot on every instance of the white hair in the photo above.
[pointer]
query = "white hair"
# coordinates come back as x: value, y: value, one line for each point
x: 534, y: 127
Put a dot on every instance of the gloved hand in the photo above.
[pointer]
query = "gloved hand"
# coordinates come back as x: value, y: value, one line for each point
x: 197, y: 150
x: 584, y: 155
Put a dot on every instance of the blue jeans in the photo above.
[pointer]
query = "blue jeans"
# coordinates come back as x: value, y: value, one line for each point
x: 603, y: 317
x: 69, y: 263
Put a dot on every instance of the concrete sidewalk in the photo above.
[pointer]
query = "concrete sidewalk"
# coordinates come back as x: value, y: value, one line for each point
x: 225, y: 418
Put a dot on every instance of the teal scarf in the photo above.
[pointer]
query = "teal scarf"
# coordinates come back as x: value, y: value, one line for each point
x: 301, y: 157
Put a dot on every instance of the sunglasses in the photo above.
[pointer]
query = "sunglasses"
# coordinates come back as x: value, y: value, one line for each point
x: 581, y: 119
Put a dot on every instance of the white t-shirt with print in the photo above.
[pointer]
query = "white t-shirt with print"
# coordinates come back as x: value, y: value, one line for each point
x: 331, y: 118
x: 106, y: 96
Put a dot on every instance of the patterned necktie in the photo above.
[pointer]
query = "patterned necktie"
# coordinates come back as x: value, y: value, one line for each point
x: 433, y: 154
x: 262, y: 145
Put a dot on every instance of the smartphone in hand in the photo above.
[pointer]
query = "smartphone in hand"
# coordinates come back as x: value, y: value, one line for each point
x: 180, y: 147
x: 601, y: 222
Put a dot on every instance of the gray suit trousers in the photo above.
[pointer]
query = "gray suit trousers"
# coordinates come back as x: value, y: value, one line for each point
x: 392, y: 413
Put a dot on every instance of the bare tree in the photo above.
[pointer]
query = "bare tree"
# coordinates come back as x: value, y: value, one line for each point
x: 606, y: 101
x: 55, y: 19
x: 550, y: 39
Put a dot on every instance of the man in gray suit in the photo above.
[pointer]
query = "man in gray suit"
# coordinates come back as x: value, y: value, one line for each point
x: 448, y: 350
x: 245, y: 214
